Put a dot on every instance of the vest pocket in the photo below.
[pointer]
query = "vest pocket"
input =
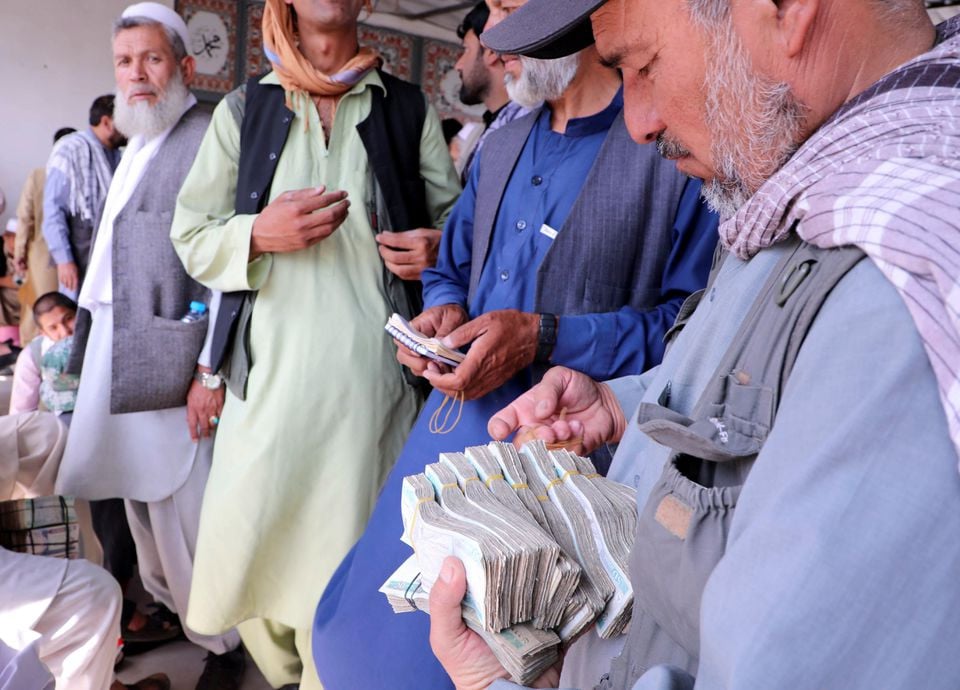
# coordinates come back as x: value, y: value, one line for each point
x: 681, y: 536
x: 159, y: 366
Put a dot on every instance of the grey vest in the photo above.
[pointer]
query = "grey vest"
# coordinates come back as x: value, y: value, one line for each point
x: 154, y: 353
x: 683, y: 526
x: 614, y: 245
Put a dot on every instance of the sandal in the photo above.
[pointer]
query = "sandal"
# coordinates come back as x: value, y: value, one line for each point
x: 162, y: 626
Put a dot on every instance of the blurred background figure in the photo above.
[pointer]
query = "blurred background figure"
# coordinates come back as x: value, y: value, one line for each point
x: 10, y: 282
x: 31, y: 255
x: 79, y: 172
x: 481, y: 81
x: 465, y: 140
x: 40, y: 376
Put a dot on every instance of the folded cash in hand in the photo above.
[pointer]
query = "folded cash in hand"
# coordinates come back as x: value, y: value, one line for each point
x: 399, y: 328
x: 544, y: 541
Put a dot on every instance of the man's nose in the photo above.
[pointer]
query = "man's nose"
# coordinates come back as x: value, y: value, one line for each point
x: 137, y: 70
x: 640, y: 113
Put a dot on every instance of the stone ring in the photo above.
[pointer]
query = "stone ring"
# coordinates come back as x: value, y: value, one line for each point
x: 214, y: 420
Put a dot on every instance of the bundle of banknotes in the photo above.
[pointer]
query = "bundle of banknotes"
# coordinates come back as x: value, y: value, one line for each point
x: 544, y: 540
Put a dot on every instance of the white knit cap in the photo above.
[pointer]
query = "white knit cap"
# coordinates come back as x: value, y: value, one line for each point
x: 162, y: 14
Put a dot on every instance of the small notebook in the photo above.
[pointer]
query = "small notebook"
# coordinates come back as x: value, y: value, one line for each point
x: 431, y: 348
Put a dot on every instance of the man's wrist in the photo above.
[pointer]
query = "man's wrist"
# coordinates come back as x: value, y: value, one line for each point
x: 546, y: 337
x: 206, y: 379
x: 618, y: 417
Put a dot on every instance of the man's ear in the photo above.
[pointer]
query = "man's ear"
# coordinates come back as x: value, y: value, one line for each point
x: 490, y: 57
x: 188, y: 69
x: 782, y: 26
x: 796, y: 19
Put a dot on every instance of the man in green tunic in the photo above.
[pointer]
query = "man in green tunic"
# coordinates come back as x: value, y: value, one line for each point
x: 300, y: 458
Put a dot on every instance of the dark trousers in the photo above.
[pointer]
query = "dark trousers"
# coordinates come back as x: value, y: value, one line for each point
x: 110, y: 525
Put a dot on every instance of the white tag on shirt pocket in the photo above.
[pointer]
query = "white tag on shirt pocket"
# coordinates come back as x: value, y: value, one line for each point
x: 548, y: 231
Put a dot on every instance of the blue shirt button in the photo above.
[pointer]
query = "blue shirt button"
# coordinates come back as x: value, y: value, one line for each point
x: 253, y: 195
x: 537, y: 180
x: 504, y: 275
x: 521, y: 225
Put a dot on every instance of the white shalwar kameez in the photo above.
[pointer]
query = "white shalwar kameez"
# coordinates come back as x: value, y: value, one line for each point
x: 146, y: 458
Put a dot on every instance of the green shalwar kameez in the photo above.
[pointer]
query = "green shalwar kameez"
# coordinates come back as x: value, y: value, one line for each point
x: 298, y: 464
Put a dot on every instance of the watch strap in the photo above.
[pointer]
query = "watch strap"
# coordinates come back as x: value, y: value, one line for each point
x: 546, y: 338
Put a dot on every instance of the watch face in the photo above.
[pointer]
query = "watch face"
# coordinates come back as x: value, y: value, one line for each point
x: 212, y: 381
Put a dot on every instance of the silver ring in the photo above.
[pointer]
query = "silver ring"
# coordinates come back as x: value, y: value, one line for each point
x: 214, y: 420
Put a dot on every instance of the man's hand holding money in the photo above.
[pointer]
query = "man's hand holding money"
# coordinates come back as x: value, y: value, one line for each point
x: 462, y: 652
x: 565, y: 405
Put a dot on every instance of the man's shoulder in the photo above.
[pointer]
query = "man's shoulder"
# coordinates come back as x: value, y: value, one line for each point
x: 392, y: 84
x: 235, y: 102
x: 520, y: 121
x: 510, y: 133
x: 195, y: 118
x: 71, y: 143
x: 189, y: 130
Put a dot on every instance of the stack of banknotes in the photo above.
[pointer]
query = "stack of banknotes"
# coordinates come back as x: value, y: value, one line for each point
x: 544, y: 541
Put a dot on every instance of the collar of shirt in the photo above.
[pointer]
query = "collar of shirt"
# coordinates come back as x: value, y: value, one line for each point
x: 490, y: 115
x: 591, y: 124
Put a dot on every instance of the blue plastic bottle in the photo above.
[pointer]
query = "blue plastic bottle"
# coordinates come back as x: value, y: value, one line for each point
x: 198, y: 312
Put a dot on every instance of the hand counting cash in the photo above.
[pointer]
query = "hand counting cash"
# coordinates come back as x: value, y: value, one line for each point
x: 544, y: 541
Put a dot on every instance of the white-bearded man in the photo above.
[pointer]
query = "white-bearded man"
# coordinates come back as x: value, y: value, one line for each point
x: 148, y: 405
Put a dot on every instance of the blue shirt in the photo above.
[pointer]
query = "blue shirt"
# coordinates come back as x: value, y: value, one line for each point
x: 542, y: 189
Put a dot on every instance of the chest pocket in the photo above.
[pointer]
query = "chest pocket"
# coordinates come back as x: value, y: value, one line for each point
x: 684, y: 526
x: 685, y: 522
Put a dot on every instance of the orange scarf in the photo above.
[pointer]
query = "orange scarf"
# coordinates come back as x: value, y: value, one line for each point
x: 295, y: 72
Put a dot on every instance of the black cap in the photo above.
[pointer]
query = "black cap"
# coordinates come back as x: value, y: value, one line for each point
x: 545, y: 29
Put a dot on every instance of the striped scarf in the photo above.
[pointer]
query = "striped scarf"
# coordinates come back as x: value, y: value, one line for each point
x: 884, y: 174
x: 80, y: 158
x: 296, y: 73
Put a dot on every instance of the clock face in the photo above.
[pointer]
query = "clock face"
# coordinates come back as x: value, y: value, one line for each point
x: 209, y: 42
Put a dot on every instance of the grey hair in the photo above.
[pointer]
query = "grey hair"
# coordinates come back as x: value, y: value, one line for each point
x: 709, y: 13
x: 176, y: 43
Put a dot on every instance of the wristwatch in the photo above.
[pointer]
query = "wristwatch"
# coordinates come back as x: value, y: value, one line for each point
x: 209, y: 381
x: 546, y: 338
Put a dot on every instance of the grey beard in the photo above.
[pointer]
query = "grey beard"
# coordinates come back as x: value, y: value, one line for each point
x: 755, y: 124
x: 541, y: 80
x: 150, y: 120
x: 724, y: 197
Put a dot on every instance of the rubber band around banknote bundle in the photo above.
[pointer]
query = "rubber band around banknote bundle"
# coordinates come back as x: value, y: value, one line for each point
x: 411, y: 590
x: 416, y: 512
x: 438, y: 426
x: 492, y: 478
